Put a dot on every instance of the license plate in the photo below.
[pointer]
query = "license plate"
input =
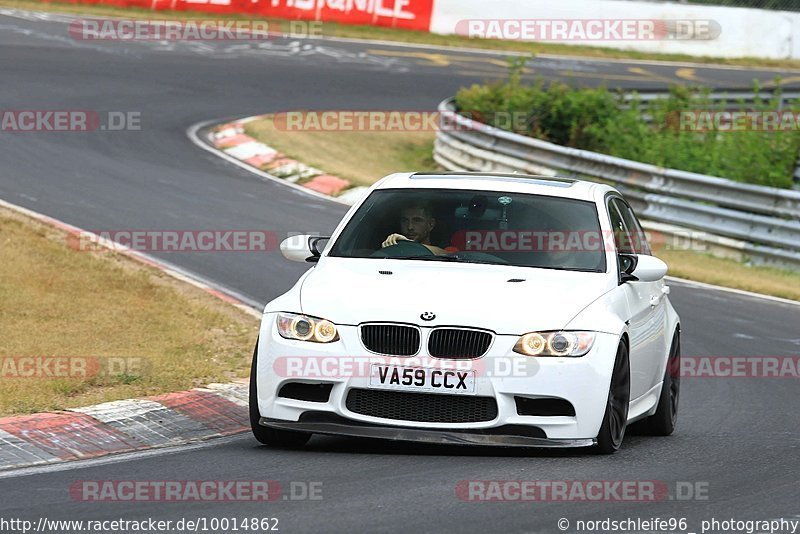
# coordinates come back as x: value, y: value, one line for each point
x: 421, y: 379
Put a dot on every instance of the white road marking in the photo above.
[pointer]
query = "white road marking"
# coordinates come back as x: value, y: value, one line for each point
x: 739, y: 292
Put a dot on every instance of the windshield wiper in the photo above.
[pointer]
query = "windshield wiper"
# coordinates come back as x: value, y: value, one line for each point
x: 450, y: 259
x: 426, y: 258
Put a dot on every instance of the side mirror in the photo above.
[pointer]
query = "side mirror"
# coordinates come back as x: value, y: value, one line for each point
x: 641, y: 268
x: 303, y: 248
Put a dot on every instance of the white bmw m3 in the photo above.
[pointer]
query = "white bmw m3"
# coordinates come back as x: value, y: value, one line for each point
x: 472, y: 308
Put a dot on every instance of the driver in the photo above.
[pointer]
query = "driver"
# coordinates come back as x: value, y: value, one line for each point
x: 416, y: 224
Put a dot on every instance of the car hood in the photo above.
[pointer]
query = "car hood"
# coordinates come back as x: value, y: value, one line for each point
x: 505, y: 299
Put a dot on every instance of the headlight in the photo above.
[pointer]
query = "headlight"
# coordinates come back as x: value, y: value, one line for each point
x: 572, y: 344
x: 305, y: 328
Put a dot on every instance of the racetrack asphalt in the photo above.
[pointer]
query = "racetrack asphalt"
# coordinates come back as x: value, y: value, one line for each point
x: 739, y: 436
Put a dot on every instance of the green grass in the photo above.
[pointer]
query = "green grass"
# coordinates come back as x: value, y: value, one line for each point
x: 730, y: 273
x: 595, y: 120
x: 149, y: 333
x: 360, y: 157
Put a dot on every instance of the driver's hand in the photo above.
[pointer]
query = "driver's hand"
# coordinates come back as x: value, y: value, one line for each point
x: 393, y: 239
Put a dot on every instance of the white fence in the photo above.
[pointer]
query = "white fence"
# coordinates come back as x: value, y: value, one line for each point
x: 744, y: 32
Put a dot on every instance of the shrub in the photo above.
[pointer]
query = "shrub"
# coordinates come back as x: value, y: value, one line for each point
x: 598, y: 120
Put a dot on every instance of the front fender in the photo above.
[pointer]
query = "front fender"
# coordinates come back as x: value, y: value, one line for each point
x: 289, y: 301
x: 606, y: 314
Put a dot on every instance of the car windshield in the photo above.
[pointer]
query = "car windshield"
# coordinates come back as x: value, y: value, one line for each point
x: 465, y: 226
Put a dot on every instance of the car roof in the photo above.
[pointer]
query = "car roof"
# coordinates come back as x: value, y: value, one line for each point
x: 503, y: 182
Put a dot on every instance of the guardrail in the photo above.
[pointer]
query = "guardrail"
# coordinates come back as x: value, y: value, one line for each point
x: 732, y: 97
x: 761, y: 223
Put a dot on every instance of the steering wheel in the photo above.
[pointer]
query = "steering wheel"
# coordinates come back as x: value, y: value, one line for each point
x: 403, y: 249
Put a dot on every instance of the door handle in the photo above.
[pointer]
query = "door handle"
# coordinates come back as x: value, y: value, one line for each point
x: 656, y: 299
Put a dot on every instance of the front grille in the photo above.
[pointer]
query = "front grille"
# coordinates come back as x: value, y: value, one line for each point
x: 458, y: 343
x: 390, y: 339
x: 421, y: 407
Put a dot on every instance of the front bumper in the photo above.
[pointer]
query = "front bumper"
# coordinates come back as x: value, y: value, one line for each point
x: 583, y: 382
x: 505, y: 436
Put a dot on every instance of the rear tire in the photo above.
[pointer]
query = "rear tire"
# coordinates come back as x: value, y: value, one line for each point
x: 265, y: 435
x: 662, y: 423
x: 615, y: 421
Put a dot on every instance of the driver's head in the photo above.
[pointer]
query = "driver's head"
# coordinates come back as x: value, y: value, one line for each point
x: 417, y: 223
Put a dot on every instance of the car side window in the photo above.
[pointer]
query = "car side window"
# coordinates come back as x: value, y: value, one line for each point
x: 635, y: 231
x: 621, y: 236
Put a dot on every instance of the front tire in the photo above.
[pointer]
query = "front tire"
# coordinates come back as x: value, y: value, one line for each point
x: 615, y: 421
x: 265, y: 435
